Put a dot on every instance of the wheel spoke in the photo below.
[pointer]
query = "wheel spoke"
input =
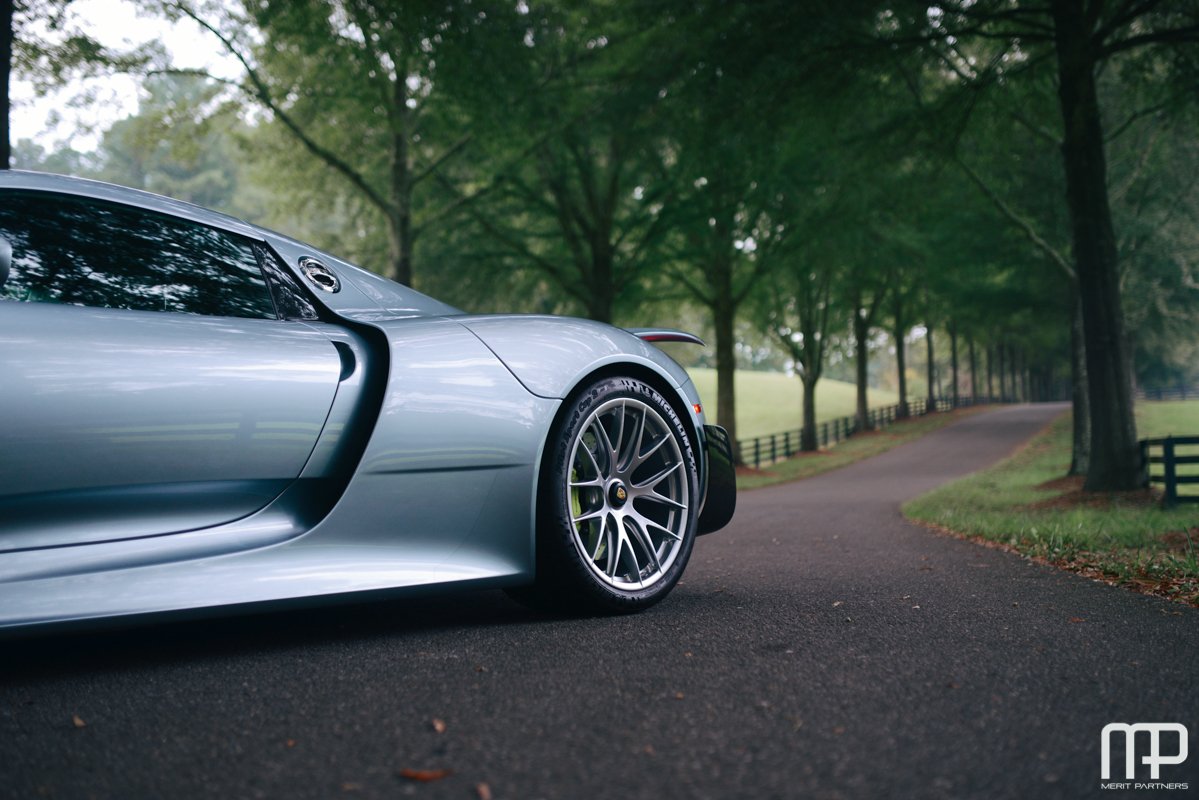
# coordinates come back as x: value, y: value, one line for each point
x: 607, y: 442
x: 648, y: 523
x: 599, y: 473
x: 590, y: 515
x: 655, y: 447
x: 632, y: 458
x: 663, y: 499
x: 661, y: 476
x: 594, y: 483
x: 619, y: 539
x: 647, y: 544
x: 599, y: 540
x: 632, y: 554
x: 614, y: 550
x: 619, y: 439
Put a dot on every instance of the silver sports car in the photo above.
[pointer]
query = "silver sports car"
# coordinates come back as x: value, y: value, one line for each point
x: 199, y: 414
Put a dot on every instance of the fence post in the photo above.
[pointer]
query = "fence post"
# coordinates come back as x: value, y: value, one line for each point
x: 757, y: 453
x: 787, y: 444
x: 774, y: 453
x: 1171, y: 498
x: 1144, y: 443
x: 824, y: 434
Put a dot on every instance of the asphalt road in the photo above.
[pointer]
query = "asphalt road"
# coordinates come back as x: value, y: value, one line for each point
x: 819, y: 647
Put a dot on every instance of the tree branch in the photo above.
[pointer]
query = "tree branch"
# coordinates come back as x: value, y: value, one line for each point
x: 1022, y: 224
x: 261, y: 91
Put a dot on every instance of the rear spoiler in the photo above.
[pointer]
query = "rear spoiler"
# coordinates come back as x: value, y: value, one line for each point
x: 665, y: 335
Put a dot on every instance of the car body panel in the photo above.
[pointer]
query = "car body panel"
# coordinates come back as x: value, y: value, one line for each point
x: 550, y: 354
x: 412, y: 458
x: 163, y: 422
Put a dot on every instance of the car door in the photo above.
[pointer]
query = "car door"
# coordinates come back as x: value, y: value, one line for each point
x: 147, y: 383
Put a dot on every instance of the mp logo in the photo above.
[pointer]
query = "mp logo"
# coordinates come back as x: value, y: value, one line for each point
x: 1155, y: 759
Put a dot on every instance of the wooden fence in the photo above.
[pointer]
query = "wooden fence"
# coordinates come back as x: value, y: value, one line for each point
x: 1166, y: 452
x: 1170, y: 393
x: 777, y: 446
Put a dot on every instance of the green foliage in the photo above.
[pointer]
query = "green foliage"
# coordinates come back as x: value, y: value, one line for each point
x: 693, y: 163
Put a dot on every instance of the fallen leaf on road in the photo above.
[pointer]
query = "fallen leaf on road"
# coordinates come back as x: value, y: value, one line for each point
x: 838, y: 603
x: 1077, y: 619
x: 840, y: 729
x: 438, y: 725
x: 291, y: 742
x: 648, y: 750
x: 77, y: 721
x: 678, y: 695
x: 424, y: 775
x: 483, y: 791
x: 351, y: 787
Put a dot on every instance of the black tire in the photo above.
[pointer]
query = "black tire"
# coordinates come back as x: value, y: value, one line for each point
x: 608, y: 540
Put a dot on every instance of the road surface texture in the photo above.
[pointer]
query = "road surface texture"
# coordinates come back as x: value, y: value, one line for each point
x: 819, y: 647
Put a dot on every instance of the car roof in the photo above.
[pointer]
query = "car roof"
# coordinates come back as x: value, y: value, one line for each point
x: 99, y: 190
x: 391, y: 297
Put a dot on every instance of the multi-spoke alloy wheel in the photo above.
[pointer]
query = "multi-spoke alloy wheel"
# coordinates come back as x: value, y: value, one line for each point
x: 617, y: 504
x: 629, y: 494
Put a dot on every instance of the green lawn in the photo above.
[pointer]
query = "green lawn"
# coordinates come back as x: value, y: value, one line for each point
x: 1172, y: 418
x: 770, y: 402
x: 1023, y: 503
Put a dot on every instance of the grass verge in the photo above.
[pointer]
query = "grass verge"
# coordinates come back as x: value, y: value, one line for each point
x: 1025, y: 505
x: 855, y: 448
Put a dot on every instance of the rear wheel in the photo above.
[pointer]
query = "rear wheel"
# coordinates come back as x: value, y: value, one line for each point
x: 617, y: 504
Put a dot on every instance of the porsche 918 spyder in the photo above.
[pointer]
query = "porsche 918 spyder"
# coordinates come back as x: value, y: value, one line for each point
x: 201, y: 415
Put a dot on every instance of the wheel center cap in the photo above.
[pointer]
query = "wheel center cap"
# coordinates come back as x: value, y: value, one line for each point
x: 617, y: 494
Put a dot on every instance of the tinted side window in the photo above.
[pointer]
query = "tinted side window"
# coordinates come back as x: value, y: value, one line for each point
x: 91, y: 253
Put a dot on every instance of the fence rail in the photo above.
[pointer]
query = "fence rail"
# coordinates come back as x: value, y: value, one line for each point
x: 1182, y: 392
x: 777, y: 446
x: 1165, y: 452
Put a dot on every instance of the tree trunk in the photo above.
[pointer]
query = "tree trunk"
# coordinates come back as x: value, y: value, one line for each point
x: 990, y: 372
x: 723, y: 313
x: 973, y: 370
x: 931, y: 405
x: 399, y: 231
x: 1114, y: 454
x: 1015, y: 360
x: 953, y: 355
x: 602, y: 296
x: 1001, y: 370
x: 6, y: 37
x: 808, y: 441
x: 899, y: 330
x: 1080, y: 450
x: 861, y: 333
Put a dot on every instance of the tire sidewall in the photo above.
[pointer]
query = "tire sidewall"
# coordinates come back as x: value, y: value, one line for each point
x: 560, y: 564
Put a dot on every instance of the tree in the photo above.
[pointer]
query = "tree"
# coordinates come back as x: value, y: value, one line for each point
x: 799, y: 318
x: 7, y: 8
x: 38, y: 41
x: 359, y: 86
x: 1080, y: 36
x: 582, y: 167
